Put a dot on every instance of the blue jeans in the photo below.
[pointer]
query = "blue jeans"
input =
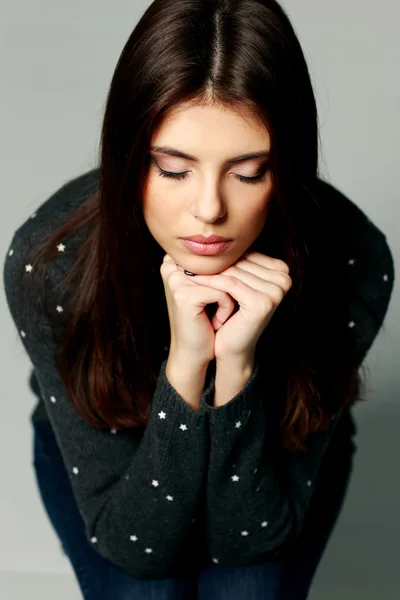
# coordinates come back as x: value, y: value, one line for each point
x: 99, y: 579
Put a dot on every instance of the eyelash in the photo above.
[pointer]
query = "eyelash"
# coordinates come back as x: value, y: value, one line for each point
x: 181, y: 176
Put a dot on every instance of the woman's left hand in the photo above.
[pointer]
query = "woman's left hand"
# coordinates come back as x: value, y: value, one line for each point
x: 258, y: 283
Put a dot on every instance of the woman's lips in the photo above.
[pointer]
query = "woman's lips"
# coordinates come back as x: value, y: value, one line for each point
x: 206, y: 249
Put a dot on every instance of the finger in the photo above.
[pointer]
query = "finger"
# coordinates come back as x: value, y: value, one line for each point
x: 230, y: 285
x: 210, y: 295
x: 256, y: 276
x: 222, y: 316
x: 168, y: 266
x: 203, y: 295
x: 245, y: 285
x: 268, y: 262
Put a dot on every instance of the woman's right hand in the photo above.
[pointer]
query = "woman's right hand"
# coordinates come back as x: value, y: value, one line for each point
x: 192, y: 335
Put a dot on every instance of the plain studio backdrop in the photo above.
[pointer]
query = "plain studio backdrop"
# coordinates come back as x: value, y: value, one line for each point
x: 57, y: 59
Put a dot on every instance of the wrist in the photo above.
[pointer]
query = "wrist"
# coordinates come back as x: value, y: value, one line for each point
x: 230, y: 379
x: 235, y: 364
x: 187, y: 364
x: 187, y: 380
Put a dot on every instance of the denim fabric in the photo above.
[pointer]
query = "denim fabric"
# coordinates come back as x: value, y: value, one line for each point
x: 288, y: 579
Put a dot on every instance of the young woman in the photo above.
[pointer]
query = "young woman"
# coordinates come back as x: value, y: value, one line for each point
x: 193, y: 437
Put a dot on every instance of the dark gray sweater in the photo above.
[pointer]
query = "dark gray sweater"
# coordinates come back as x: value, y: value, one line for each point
x: 188, y: 488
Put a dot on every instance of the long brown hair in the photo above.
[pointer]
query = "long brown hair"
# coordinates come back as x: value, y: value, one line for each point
x: 237, y: 54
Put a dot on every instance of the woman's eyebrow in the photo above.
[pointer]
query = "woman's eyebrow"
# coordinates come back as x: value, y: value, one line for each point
x: 236, y: 159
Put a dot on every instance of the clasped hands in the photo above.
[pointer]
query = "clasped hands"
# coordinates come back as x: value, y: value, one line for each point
x: 258, y: 283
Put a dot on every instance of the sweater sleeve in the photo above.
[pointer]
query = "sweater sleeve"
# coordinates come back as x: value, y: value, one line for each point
x: 256, y: 502
x: 138, y: 491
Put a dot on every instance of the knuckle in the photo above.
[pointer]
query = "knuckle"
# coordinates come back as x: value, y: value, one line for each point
x: 281, y: 265
x: 171, y: 280
x: 275, y: 296
x: 286, y: 282
x: 180, y: 296
x: 164, y: 268
x: 233, y: 281
x: 266, y: 306
x: 166, y: 263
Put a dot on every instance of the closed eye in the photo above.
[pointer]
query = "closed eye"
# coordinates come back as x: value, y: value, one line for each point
x: 258, y: 178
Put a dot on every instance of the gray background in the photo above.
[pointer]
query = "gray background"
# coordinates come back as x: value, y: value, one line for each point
x: 57, y: 60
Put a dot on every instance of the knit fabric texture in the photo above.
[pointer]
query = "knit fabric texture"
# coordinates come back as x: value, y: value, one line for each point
x: 190, y: 486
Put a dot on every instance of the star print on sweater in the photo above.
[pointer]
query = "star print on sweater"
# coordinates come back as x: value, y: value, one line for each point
x: 142, y: 492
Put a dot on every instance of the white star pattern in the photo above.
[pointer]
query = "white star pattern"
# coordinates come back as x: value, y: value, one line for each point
x: 183, y: 427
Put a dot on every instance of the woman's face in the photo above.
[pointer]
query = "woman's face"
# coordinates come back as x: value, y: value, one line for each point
x: 210, y: 198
